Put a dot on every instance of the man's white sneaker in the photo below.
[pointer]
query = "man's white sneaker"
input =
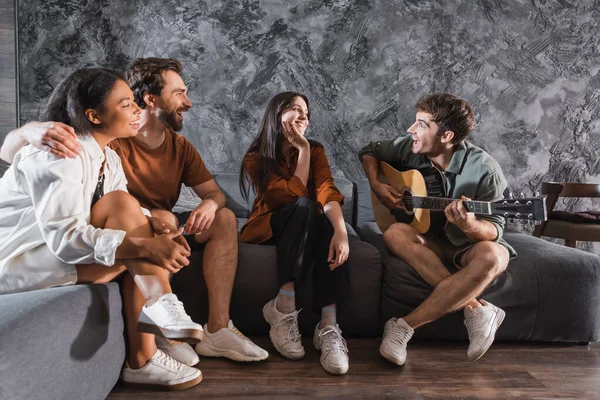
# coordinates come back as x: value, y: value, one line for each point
x: 231, y: 343
x: 167, y: 317
x: 284, y: 332
x: 482, y: 323
x: 180, y: 351
x: 396, y: 335
x: 334, y: 350
x: 161, y: 373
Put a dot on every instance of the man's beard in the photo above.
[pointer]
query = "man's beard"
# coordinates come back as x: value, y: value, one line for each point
x: 170, y: 120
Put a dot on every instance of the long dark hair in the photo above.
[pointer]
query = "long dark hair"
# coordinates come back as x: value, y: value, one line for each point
x: 267, y: 142
x: 83, y: 89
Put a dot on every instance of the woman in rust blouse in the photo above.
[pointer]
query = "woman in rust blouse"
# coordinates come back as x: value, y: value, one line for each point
x: 298, y: 209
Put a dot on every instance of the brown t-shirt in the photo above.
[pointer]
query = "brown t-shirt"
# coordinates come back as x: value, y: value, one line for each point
x: 154, y: 176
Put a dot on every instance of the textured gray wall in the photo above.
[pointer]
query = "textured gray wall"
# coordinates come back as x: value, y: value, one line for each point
x: 528, y: 68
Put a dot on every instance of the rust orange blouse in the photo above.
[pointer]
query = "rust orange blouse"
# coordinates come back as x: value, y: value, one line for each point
x: 284, y: 187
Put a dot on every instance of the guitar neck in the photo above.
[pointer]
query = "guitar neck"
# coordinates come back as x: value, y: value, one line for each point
x: 440, y: 203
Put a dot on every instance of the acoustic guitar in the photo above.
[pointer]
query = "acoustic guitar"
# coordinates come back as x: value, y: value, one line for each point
x: 424, y: 190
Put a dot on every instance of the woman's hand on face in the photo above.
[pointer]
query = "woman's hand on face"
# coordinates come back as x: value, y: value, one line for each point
x: 338, y: 249
x: 293, y: 135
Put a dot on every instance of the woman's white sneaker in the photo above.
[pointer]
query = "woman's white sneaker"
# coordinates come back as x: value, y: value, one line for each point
x: 230, y: 343
x: 161, y: 373
x: 182, y: 352
x: 168, y: 318
x: 284, y: 332
x: 334, y: 350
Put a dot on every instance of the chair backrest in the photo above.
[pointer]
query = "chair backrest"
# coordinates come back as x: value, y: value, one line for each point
x: 568, y: 189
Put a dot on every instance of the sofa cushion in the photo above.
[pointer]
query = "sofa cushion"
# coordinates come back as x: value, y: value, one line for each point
x: 62, y: 343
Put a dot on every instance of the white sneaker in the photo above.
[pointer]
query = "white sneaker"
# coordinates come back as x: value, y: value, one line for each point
x: 396, y: 335
x: 167, y: 317
x: 231, y: 343
x: 334, y: 351
x: 284, y: 332
x: 482, y: 323
x: 161, y: 373
x: 180, y: 351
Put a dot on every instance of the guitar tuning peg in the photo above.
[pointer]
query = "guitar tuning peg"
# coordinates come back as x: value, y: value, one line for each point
x: 521, y: 195
x: 511, y: 195
x: 536, y: 194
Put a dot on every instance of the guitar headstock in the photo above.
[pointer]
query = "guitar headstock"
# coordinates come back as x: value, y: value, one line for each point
x: 533, y: 209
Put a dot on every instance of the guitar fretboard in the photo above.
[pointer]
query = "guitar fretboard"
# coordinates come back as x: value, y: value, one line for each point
x: 439, y: 203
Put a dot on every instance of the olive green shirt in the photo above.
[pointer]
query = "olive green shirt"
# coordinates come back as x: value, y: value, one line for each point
x: 472, y: 173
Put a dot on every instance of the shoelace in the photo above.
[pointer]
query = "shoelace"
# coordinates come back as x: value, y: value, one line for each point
x: 332, y: 340
x: 169, y: 362
x: 471, y: 322
x: 291, y: 322
x: 400, y: 336
x: 175, y: 307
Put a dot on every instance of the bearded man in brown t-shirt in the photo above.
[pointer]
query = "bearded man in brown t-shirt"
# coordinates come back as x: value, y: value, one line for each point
x: 156, y: 163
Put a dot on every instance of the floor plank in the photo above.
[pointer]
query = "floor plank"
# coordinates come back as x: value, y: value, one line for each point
x: 434, y: 370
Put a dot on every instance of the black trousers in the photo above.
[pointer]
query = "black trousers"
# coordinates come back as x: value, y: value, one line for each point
x: 302, y: 238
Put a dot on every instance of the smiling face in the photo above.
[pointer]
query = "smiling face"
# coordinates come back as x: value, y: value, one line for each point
x: 173, y: 101
x: 120, y: 115
x: 426, y: 138
x: 297, y: 113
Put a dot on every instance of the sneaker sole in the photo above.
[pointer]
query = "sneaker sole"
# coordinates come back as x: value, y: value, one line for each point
x: 488, y: 343
x: 273, y: 342
x: 154, y: 386
x: 192, y: 336
x: 390, y: 358
x: 210, y: 351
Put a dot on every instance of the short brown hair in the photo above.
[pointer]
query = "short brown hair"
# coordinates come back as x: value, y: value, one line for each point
x: 450, y: 112
x: 145, y: 76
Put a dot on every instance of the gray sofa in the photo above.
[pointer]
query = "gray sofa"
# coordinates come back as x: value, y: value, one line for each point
x: 71, y: 338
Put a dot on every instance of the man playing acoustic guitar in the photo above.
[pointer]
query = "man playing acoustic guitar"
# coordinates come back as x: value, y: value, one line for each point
x: 473, y: 244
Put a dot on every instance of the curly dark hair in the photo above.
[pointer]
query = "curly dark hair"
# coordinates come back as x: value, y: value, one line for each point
x: 450, y: 112
x: 145, y: 76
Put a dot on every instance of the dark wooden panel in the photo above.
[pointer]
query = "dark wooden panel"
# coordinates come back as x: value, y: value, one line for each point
x: 7, y: 66
x: 8, y: 114
x: 8, y: 90
x: 7, y: 41
x: 7, y: 14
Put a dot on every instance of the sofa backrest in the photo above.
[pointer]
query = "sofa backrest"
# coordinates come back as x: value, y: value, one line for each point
x: 228, y: 182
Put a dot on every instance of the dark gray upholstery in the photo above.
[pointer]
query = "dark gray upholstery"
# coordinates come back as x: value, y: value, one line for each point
x: 61, y: 343
x: 256, y: 278
x: 550, y: 292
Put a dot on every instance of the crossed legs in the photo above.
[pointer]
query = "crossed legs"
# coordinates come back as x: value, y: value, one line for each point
x: 482, y: 263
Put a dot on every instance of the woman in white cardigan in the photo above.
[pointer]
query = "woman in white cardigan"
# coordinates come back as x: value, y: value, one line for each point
x: 69, y: 221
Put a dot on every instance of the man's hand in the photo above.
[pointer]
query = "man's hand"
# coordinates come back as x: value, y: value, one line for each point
x: 202, y: 217
x: 458, y: 215
x: 165, y: 252
x: 387, y: 195
x: 161, y: 227
x: 53, y: 137
x: 338, y: 249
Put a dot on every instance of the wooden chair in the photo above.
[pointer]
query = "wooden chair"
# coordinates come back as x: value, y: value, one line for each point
x: 570, y: 226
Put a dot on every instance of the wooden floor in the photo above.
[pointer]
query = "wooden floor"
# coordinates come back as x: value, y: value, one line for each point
x: 434, y: 370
